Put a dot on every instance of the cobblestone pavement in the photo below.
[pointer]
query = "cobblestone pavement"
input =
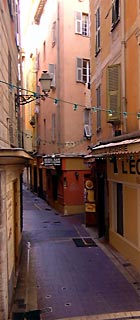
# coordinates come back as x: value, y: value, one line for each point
x: 76, y: 283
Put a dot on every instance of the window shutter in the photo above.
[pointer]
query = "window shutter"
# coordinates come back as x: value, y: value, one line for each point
x: 97, y: 48
x: 53, y: 127
x: 87, y: 130
x: 78, y: 22
x: 79, y: 70
x: 113, y: 93
x: 87, y: 127
x: 54, y: 33
x: 52, y: 73
x: 98, y: 99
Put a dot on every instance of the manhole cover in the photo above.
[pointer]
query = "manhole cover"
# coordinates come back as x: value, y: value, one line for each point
x: 84, y: 242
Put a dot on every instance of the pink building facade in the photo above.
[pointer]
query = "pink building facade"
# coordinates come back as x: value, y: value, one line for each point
x: 63, y: 119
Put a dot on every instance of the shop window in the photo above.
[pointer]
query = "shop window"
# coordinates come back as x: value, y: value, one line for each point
x: 120, y: 208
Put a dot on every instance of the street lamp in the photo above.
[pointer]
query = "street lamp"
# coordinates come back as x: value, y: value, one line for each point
x: 45, y: 81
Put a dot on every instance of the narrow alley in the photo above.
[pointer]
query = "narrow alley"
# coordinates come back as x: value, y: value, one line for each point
x: 71, y: 274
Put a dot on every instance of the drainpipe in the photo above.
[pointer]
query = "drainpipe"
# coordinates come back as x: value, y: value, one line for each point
x: 123, y: 69
x: 58, y: 77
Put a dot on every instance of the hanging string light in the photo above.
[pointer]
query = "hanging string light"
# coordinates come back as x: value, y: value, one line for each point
x: 75, y: 105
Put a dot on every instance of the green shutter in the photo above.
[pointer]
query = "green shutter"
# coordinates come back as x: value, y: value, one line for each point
x: 113, y: 93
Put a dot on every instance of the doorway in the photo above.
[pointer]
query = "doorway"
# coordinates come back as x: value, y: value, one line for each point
x: 101, y: 197
x: 55, y: 186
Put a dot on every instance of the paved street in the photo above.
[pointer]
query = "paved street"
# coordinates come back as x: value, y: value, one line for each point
x: 74, y: 282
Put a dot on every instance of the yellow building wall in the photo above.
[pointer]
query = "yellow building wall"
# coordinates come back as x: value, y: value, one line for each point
x: 128, y: 244
x: 131, y: 214
x: 120, y: 45
x: 13, y: 218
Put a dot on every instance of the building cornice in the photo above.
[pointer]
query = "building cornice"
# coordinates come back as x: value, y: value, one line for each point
x: 39, y: 11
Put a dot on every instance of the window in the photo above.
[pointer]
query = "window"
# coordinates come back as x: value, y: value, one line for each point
x: 54, y: 34
x: 9, y: 68
x: 17, y: 25
x: 44, y: 138
x: 97, y: 46
x: 44, y: 50
x: 120, y: 208
x: 82, y: 23
x: 11, y: 4
x: 52, y: 73
x: 53, y: 127
x: 113, y: 93
x: 87, y: 126
x: 115, y: 12
x: 98, y: 99
x: 83, y: 70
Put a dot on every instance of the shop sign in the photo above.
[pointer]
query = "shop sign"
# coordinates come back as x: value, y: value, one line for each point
x: 52, y: 161
x: 128, y: 166
x: 89, y: 196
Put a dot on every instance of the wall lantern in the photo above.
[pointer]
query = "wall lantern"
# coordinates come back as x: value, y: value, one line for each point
x: 76, y: 175
x: 45, y: 81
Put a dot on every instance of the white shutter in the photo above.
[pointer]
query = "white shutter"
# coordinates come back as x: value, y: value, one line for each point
x: 52, y: 73
x: 79, y: 70
x: 87, y: 129
x: 78, y: 22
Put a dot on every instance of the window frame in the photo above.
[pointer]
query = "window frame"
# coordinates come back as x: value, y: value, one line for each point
x: 115, y: 13
x: 54, y: 34
x: 87, y: 123
x: 98, y: 104
x: 53, y: 74
x: 82, y: 72
x: 82, y: 23
x: 98, y: 33
x: 44, y: 50
x: 53, y: 127
x: 113, y: 93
